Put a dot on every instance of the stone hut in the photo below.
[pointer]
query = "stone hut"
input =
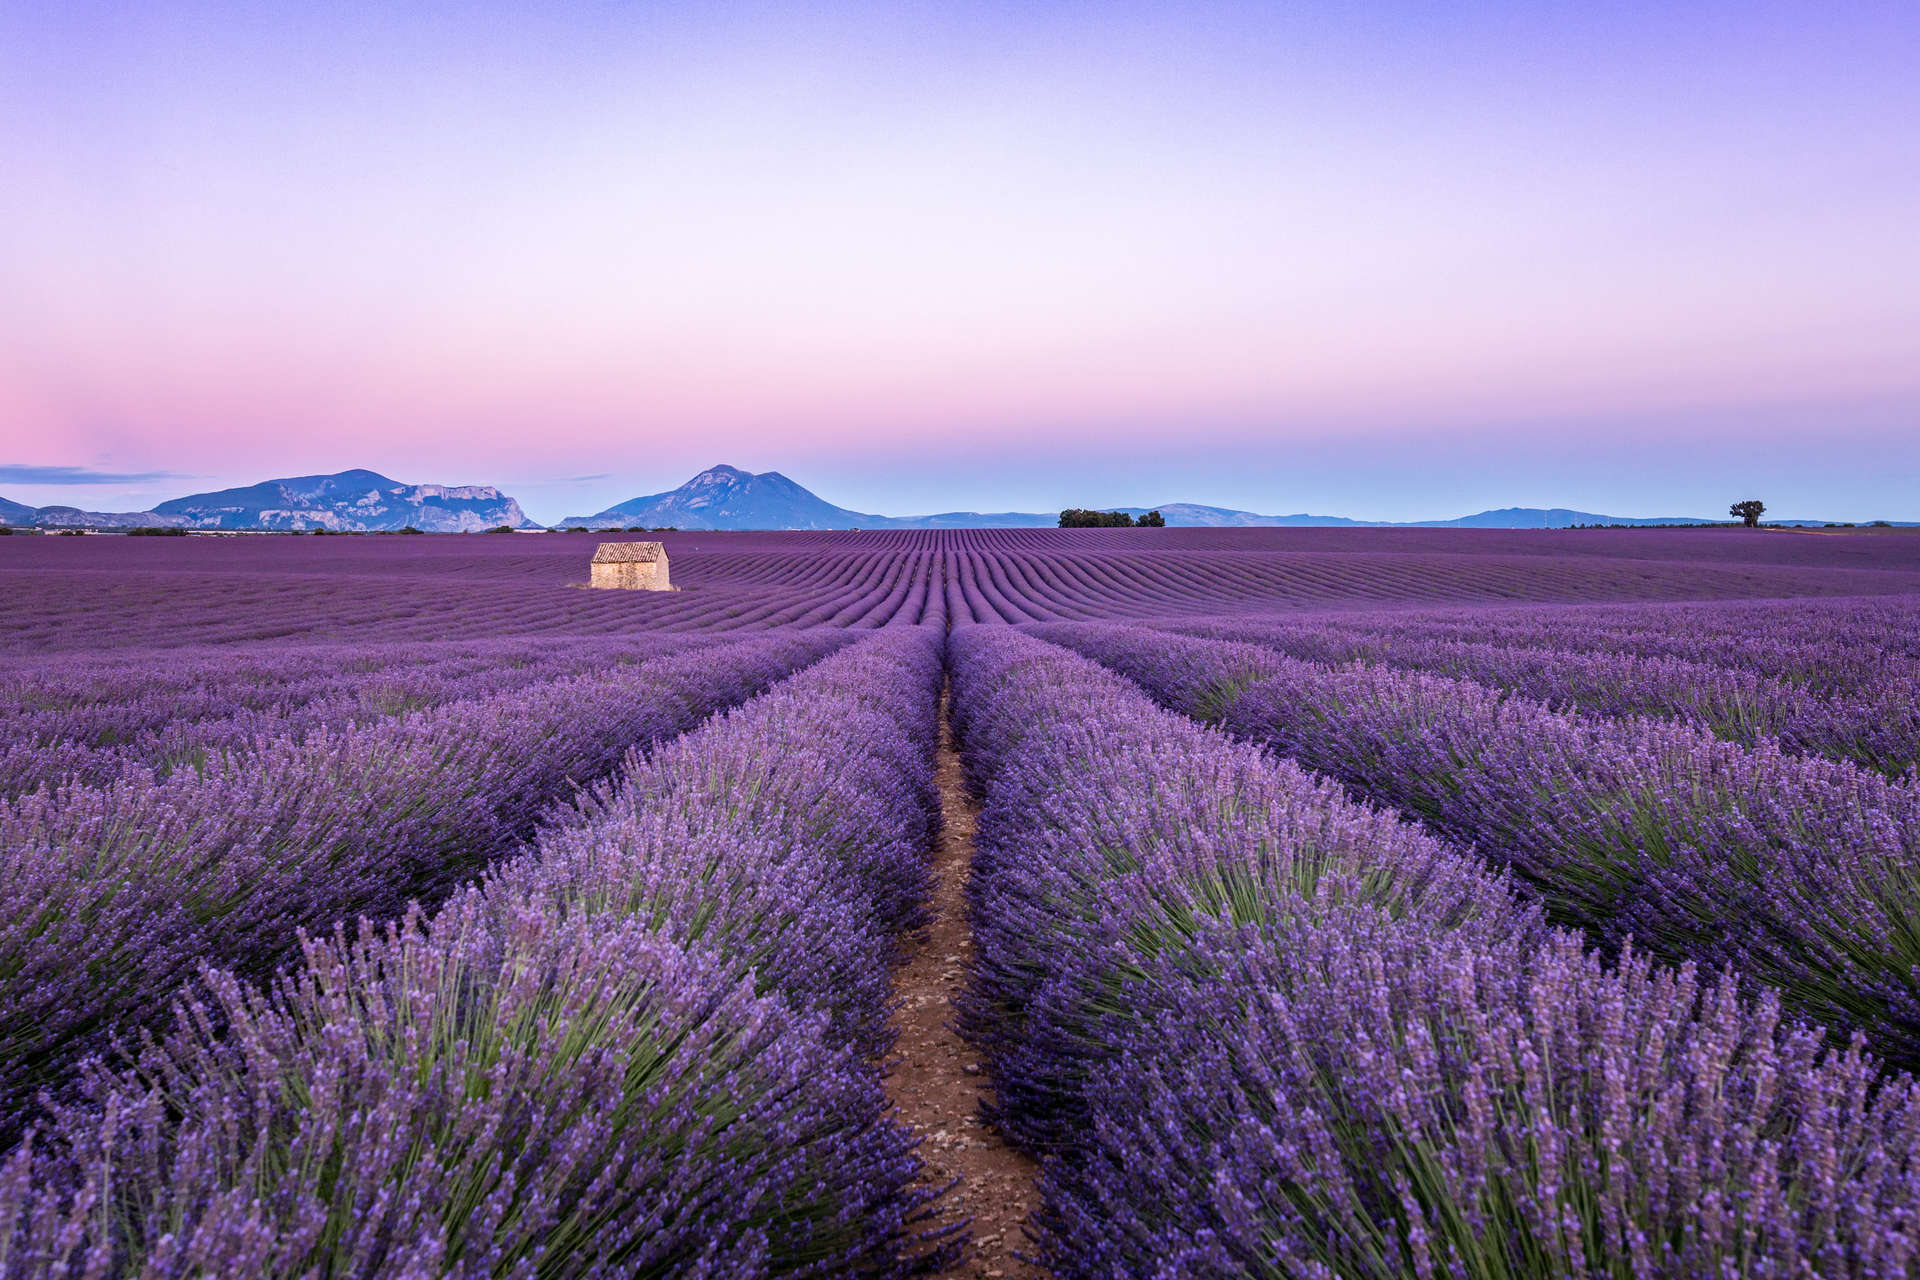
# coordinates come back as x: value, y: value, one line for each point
x: 631, y: 566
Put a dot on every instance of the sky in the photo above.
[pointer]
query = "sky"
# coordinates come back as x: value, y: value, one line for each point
x: 1392, y: 261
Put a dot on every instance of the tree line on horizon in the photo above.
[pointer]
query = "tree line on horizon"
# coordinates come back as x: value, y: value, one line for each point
x: 1082, y: 518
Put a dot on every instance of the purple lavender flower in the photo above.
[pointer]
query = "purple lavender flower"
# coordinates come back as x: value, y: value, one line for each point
x: 1796, y: 872
x: 1365, y: 1096
x: 1341, y: 1074
x: 1111, y: 830
x: 592, y: 1064
x: 110, y: 897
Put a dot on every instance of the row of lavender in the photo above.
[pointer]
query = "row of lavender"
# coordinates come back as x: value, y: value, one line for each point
x: 112, y: 896
x: 1838, y: 646
x: 87, y: 718
x: 649, y: 1046
x: 1795, y: 871
x: 1828, y: 681
x: 1830, y: 645
x: 1841, y: 686
x: 1258, y: 1029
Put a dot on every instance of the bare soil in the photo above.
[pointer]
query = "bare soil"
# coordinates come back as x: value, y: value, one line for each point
x: 937, y: 1082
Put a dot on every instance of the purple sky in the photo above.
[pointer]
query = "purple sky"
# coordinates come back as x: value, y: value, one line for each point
x: 1392, y: 261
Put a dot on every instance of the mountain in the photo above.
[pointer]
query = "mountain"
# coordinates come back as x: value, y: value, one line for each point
x: 726, y: 497
x: 59, y: 517
x: 348, y: 501
x: 75, y: 518
x: 720, y: 497
x: 1193, y: 515
x: 1545, y: 518
x: 968, y: 520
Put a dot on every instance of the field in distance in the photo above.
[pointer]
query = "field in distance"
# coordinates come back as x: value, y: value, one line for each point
x: 102, y: 592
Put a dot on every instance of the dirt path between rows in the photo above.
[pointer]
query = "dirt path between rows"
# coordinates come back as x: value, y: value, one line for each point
x: 936, y: 1082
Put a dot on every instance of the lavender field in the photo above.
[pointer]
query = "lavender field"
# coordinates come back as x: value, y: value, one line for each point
x: 1328, y: 903
x: 93, y: 594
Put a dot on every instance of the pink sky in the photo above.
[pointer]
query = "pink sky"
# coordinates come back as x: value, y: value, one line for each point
x: 1268, y: 261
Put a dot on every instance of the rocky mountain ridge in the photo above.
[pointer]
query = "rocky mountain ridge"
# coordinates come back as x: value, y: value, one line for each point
x: 718, y: 498
x: 357, y: 501
x: 725, y: 497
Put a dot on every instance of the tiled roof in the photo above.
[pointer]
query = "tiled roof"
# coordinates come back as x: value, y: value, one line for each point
x: 629, y: 553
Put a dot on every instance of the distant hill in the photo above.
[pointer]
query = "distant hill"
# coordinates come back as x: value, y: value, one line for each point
x: 720, y: 497
x: 75, y: 518
x: 1545, y: 518
x: 347, y: 502
x: 1194, y: 516
x: 726, y: 497
x: 969, y: 520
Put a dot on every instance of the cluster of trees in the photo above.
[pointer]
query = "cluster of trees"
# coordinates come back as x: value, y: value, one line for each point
x: 614, y: 528
x: 358, y: 533
x: 1081, y: 518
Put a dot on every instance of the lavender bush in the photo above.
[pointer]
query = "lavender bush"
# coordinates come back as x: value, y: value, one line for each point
x: 1275, y: 1079
x: 1841, y: 647
x: 541, y: 1080
x: 790, y: 834
x: 561, y: 1100
x: 1358, y: 1096
x: 86, y: 718
x: 1797, y: 872
x: 110, y: 897
x: 1876, y: 727
x: 1111, y: 829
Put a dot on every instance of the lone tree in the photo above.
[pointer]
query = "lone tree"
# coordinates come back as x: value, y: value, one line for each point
x: 1152, y: 520
x: 1749, y: 511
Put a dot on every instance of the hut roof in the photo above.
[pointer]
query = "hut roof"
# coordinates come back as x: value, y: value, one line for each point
x: 629, y: 553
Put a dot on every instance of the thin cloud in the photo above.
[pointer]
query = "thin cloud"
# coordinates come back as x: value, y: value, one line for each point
x: 15, y: 473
